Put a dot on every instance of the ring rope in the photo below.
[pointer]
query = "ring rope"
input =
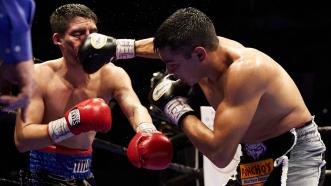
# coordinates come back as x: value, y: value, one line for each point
x: 117, y: 149
x: 324, y: 129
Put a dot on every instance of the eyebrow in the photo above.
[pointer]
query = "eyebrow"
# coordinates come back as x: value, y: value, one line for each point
x: 83, y: 29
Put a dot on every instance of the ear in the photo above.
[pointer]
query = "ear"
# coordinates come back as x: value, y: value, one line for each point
x: 200, y: 52
x: 56, y: 39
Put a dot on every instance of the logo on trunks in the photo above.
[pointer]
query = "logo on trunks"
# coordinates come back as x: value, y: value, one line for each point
x: 160, y: 89
x: 82, y: 166
x: 256, y: 172
x: 98, y: 41
x: 256, y: 151
x: 74, y: 118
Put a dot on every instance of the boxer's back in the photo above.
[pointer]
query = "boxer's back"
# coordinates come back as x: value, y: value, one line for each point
x: 280, y: 106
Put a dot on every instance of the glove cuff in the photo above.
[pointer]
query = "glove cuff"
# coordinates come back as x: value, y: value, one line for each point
x: 125, y: 48
x: 58, y: 130
x: 176, y: 109
x: 146, y: 127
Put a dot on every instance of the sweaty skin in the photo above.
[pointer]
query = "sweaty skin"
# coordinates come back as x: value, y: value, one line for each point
x: 278, y: 106
x: 254, y: 97
x: 62, y: 83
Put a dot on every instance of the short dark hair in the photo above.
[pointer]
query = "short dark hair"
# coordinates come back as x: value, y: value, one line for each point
x: 185, y: 29
x: 61, y: 17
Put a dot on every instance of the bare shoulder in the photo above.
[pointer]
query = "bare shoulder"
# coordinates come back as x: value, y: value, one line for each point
x: 113, y: 74
x: 113, y: 80
x: 229, y: 42
x: 253, y: 60
x: 252, y: 68
x: 45, y: 71
x: 46, y: 68
x: 112, y: 70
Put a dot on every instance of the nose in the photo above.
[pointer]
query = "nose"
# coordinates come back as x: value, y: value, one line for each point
x: 86, y: 33
x: 83, y: 37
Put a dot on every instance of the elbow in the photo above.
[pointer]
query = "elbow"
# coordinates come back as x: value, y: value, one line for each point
x: 220, y: 161
x: 222, y: 157
x: 20, y: 146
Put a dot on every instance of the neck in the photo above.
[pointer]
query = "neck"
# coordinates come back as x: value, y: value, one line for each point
x: 73, y: 72
x: 218, y: 63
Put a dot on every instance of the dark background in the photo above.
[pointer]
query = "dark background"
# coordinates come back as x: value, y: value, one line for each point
x: 296, y: 34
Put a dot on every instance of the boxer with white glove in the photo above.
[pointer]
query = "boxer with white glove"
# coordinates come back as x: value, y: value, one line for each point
x: 98, y: 49
x: 169, y: 95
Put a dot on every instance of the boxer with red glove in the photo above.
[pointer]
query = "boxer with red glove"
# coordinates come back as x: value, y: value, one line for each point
x: 150, y: 148
x: 91, y: 114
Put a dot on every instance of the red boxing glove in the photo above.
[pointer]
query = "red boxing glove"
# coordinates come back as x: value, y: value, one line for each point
x: 91, y: 114
x: 150, y: 149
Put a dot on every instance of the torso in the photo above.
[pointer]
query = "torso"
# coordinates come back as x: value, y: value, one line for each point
x: 59, y: 95
x: 281, y: 106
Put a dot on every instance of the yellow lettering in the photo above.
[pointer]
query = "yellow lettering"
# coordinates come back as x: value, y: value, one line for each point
x: 256, y: 169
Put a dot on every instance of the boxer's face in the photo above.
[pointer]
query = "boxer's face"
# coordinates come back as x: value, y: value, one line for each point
x: 182, y: 67
x: 78, y: 29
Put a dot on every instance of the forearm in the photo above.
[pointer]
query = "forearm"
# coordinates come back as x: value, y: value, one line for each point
x: 205, y: 140
x: 26, y: 75
x: 25, y: 69
x: 31, y: 137
x: 139, y: 115
x: 93, y: 58
x: 198, y: 133
x: 145, y: 48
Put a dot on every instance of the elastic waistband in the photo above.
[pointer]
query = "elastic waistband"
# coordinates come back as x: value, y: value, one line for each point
x: 69, y: 166
x: 57, y: 149
x: 306, y: 124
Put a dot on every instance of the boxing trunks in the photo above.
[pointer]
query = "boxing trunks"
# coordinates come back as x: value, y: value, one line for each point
x: 293, y: 158
x: 56, y: 165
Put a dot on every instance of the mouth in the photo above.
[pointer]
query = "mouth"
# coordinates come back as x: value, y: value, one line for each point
x: 184, y: 81
x: 177, y: 77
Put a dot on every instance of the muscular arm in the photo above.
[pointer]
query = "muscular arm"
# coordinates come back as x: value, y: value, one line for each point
x: 129, y: 101
x: 31, y: 134
x: 16, y: 51
x: 232, y: 120
x: 145, y: 48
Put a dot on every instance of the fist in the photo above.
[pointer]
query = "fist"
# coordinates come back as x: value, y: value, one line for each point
x: 151, y: 151
x: 169, y: 96
x: 89, y: 115
x: 92, y: 114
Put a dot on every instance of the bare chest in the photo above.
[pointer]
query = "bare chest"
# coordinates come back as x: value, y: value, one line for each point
x: 214, y: 94
x: 267, y: 114
x: 61, y: 96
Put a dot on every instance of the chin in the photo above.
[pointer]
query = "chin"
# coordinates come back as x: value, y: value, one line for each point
x: 189, y: 83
